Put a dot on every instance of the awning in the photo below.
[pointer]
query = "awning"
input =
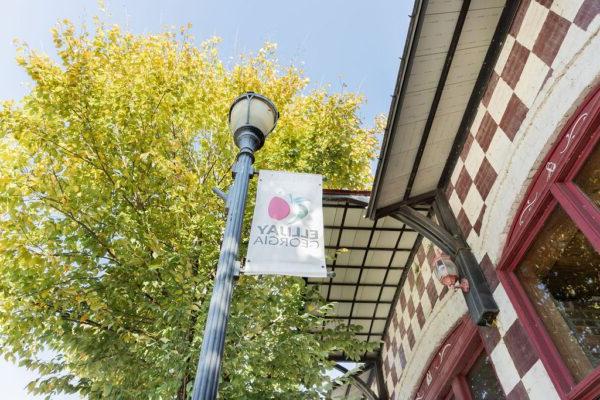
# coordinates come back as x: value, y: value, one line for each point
x: 448, y: 58
x: 368, y: 259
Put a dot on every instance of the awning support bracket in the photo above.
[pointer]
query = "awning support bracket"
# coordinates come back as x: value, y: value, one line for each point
x: 448, y: 236
x: 481, y: 303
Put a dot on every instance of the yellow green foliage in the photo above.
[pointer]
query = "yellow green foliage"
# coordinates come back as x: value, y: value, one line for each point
x: 109, y: 232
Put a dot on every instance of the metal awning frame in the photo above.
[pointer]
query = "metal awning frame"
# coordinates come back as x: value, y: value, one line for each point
x: 448, y: 236
x: 347, y: 200
x: 355, y: 380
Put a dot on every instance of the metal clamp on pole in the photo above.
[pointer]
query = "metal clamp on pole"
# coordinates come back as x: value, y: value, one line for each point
x: 238, y: 269
x: 251, y: 118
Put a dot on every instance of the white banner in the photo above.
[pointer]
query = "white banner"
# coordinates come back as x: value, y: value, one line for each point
x: 286, y: 237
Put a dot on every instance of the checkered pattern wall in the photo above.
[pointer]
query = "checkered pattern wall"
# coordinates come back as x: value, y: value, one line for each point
x: 418, y: 297
x: 545, y: 37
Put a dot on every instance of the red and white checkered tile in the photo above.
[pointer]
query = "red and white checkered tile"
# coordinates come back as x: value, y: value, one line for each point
x: 544, y: 38
x: 417, y: 299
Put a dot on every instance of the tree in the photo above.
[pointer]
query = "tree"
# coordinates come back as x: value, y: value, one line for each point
x: 109, y: 232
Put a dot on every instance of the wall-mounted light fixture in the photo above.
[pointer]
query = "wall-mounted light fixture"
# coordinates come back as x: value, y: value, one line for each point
x: 447, y: 273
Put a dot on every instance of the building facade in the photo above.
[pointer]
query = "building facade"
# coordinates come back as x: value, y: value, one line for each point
x: 525, y: 190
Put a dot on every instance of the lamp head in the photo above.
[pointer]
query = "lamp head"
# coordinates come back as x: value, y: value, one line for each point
x: 447, y: 273
x: 255, y: 113
x: 445, y: 270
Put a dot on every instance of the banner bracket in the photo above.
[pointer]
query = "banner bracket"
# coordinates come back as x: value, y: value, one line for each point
x: 238, y: 269
x: 251, y: 172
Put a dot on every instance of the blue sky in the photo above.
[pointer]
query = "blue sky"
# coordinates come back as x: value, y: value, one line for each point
x: 356, y: 43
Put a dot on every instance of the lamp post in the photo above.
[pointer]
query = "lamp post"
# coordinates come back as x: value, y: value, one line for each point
x: 251, y: 118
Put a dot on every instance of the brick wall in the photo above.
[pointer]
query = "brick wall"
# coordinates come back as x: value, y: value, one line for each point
x: 547, y: 65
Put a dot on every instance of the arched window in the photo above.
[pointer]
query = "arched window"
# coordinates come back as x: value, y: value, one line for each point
x: 550, y: 268
x: 460, y: 369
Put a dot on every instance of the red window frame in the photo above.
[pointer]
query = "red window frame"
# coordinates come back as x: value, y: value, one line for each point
x: 460, y: 386
x: 445, y: 376
x: 552, y: 186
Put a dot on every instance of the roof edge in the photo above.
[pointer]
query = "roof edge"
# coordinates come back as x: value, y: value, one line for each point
x: 346, y: 192
x: 358, y: 197
x: 405, y: 65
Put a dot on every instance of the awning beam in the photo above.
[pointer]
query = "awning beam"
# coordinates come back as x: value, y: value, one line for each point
x: 425, y: 198
x: 426, y: 227
x: 448, y: 236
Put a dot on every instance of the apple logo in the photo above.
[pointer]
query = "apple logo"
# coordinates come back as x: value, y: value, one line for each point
x: 288, y: 209
x: 278, y: 208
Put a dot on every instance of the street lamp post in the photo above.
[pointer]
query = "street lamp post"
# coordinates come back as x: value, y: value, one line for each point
x: 251, y: 118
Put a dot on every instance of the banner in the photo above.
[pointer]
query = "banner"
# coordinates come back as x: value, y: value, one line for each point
x: 286, y: 237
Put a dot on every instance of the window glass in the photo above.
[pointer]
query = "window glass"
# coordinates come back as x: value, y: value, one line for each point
x: 588, y: 179
x: 482, y: 380
x: 561, y: 275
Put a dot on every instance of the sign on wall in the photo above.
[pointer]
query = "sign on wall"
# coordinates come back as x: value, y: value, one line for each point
x: 286, y: 237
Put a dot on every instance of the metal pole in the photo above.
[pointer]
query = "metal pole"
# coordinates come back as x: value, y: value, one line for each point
x: 207, y: 375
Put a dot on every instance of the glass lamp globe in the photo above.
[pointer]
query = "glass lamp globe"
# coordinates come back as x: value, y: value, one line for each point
x: 446, y: 271
x: 253, y: 111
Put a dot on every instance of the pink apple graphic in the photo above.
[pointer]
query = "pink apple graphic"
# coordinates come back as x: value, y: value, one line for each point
x: 278, y: 208
x: 288, y: 209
